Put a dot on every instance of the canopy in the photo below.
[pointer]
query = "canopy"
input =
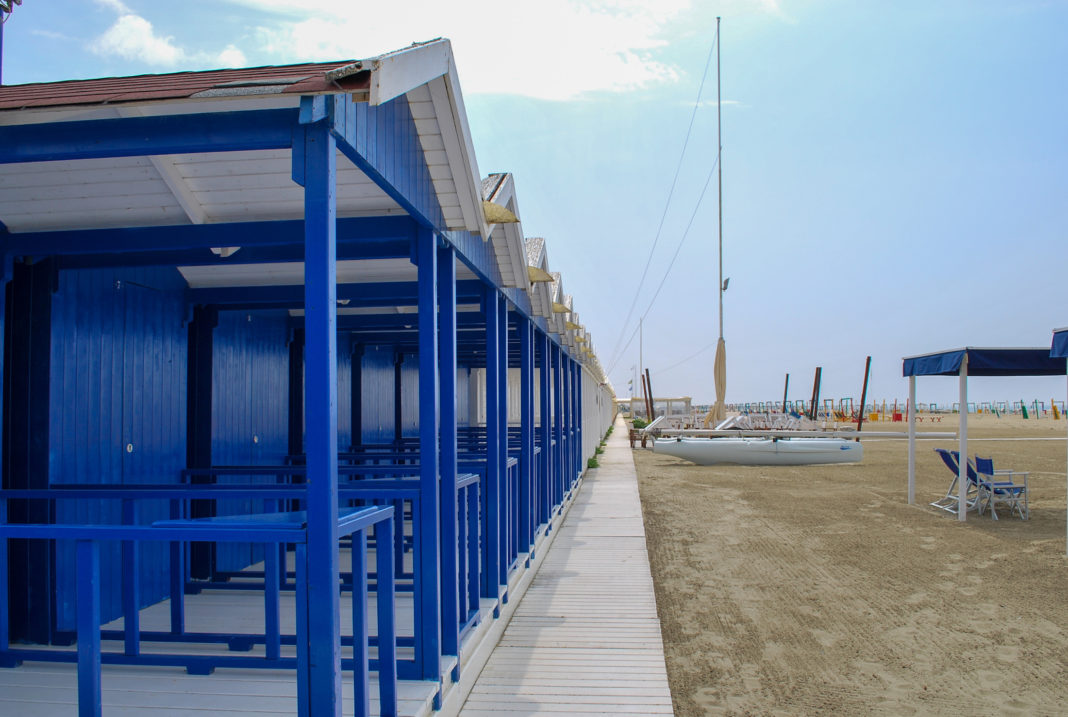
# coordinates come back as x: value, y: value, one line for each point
x: 970, y: 361
x: 990, y: 361
x: 1060, y: 343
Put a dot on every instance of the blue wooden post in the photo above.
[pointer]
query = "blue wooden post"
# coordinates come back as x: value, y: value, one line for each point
x: 526, y: 465
x: 492, y: 485
x: 301, y: 596
x: 558, y: 419
x: 428, y: 552
x: 320, y: 410
x: 5, y: 635
x: 131, y: 584
x: 177, y: 575
x: 272, y: 574
x: 461, y: 554
x: 565, y: 380
x: 577, y: 448
x: 450, y: 573
x: 505, y: 494
x: 361, y: 683
x: 88, y: 629
x: 546, y: 431
x: 387, y: 631
x: 572, y: 405
x: 474, y: 582
x: 578, y: 413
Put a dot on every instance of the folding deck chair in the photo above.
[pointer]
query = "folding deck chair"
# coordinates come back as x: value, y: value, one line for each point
x: 951, y: 500
x: 1003, y: 492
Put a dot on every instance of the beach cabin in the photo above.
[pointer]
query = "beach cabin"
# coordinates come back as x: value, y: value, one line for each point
x: 286, y: 392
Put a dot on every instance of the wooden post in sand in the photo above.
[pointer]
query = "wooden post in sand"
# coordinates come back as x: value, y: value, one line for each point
x: 813, y: 409
x: 863, y: 396
x: 652, y: 403
x: 648, y: 403
x: 784, y: 388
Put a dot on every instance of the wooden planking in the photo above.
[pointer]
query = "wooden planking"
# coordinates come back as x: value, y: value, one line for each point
x: 210, y: 182
x: 84, y: 219
x: 585, y: 639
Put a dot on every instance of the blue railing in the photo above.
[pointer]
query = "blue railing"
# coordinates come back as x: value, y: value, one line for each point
x: 273, y: 530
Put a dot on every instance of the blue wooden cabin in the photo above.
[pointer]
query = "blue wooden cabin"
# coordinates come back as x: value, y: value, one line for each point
x: 268, y: 332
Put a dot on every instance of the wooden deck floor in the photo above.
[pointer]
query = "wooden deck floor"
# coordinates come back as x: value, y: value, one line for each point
x: 40, y: 689
x: 585, y: 638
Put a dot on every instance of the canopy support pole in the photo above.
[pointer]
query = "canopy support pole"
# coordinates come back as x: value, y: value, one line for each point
x: 962, y: 468
x: 912, y: 439
x: 322, y: 601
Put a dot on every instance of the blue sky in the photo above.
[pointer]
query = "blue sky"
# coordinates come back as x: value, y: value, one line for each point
x: 895, y: 174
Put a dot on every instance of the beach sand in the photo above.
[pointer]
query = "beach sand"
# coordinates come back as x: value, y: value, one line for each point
x: 819, y: 590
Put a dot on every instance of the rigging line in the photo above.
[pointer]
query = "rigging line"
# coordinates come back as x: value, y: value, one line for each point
x: 686, y: 233
x: 662, y: 371
x: 683, y: 239
x: 623, y: 351
x: 671, y: 193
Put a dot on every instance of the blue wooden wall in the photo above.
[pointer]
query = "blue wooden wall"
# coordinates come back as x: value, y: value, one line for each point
x: 250, y: 408
x: 344, y: 395
x: 117, y: 407
x: 118, y: 367
x: 378, y: 399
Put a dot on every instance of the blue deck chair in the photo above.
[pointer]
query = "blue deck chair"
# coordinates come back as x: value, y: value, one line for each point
x: 951, y: 500
x: 1002, y: 492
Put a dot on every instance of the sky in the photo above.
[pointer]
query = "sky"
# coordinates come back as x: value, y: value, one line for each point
x: 894, y: 175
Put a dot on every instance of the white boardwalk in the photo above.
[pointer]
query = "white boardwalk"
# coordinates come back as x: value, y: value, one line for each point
x: 585, y: 637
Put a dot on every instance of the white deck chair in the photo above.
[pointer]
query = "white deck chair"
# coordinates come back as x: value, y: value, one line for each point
x: 951, y: 500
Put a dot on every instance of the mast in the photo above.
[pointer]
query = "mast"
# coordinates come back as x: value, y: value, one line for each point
x: 719, y: 164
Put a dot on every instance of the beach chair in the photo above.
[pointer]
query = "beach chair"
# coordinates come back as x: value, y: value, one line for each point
x: 1003, y: 492
x: 951, y: 500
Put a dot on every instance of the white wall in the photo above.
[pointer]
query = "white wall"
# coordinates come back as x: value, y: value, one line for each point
x: 598, y: 408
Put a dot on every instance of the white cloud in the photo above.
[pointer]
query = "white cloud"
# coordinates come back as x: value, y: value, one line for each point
x: 133, y: 38
x: 50, y: 34
x: 549, y: 49
x: 116, y: 5
x: 231, y: 56
x: 712, y: 103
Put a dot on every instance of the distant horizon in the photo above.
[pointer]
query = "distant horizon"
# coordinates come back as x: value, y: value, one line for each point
x: 942, y: 390
x: 1061, y: 403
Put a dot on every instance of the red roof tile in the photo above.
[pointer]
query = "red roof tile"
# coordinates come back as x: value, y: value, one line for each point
x: 290, y: 79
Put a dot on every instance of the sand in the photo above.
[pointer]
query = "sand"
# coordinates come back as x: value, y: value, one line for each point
x: 819, y: 590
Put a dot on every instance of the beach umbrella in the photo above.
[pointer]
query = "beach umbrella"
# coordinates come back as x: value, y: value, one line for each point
x: 719, y: 410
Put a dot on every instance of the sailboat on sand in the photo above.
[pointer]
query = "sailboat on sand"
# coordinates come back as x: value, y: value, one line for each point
x: 772, y: 449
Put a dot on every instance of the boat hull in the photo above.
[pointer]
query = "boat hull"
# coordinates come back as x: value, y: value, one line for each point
x: 761, y: 451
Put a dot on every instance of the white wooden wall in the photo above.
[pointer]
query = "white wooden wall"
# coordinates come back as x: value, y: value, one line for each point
x: 598, y: 405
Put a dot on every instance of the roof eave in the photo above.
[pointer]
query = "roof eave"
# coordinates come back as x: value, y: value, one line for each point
x: 432, y: 64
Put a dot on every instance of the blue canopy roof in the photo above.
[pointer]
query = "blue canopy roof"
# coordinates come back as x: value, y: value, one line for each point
x: 989, y: 362
x: 1060, y: 343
